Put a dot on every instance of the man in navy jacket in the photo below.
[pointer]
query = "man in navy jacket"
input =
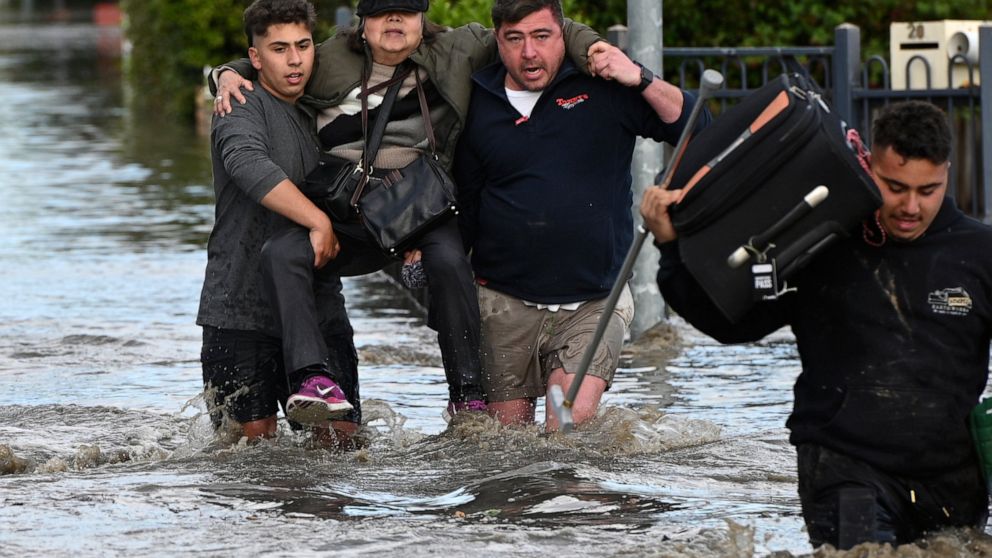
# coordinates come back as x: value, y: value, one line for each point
x: 543, y: 170
x: 893, y: 331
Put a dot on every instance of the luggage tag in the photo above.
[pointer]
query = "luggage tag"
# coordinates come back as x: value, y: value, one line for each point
x: 764, y: 279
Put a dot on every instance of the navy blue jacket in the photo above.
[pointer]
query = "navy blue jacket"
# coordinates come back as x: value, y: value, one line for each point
x: 546, y: 201
x: 894, y: 342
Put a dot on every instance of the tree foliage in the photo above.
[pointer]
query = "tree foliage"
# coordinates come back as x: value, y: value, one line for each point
x: 735, y: 23
x: 599, y: 14
x: 172, y: 40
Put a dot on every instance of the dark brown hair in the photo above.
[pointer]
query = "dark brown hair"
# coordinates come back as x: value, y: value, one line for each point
x: 262, y: 14
x: 512, y: 11
x: 913, y: 129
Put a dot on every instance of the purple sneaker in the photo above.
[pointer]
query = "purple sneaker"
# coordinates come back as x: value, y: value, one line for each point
x: 476, y: 405
x: 318, y: 401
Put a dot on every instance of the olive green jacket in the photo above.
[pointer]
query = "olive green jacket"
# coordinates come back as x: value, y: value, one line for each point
x: 449, y: 62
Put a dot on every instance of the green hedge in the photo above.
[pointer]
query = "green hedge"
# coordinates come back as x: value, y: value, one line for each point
x: 732, y: 23
x: 600, y: 14
x: 172, y: 40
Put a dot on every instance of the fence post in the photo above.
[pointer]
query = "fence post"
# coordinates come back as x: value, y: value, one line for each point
x: 846, y: 69
x: 644, y: 20
x: 619, y: 36
x: 985, y: 102
x: 342, y: 17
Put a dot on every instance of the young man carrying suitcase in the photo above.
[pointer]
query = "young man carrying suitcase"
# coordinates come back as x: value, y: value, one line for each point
x: 893, y: 330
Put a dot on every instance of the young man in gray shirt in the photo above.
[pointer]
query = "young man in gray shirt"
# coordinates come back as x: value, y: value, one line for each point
x: 260, y: 152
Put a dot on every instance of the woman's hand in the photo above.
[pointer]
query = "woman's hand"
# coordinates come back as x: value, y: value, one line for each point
x: 411, y: 257
x: 229, y: 84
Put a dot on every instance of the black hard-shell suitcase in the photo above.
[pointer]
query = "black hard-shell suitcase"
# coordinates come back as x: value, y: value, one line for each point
x: 752, y: 211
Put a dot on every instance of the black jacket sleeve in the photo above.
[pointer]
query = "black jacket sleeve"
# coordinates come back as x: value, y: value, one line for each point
x: 242, y: 66
x: 469, y: 177
x: 684, y: 295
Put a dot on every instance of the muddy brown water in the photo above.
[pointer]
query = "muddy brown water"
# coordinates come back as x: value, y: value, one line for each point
x: 105, y: 450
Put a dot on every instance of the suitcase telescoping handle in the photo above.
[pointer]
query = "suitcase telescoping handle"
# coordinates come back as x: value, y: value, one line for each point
x: 561, y: 404
x: 758, y: 244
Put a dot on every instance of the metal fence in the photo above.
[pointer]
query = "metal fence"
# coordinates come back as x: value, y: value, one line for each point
x: 857, y: 88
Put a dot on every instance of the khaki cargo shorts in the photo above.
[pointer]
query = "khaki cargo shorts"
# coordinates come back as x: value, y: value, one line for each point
x: 522, y: 345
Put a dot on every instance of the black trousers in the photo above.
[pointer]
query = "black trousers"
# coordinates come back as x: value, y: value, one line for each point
x: 243, y: 371
x: 846, y: 501
x: 302, y: 296
x: 242, y: 374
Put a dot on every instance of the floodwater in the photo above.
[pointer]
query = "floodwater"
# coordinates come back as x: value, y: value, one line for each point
x: 105, y: 448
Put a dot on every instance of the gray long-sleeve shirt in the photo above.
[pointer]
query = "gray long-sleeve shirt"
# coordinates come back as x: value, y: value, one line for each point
x: 253, y: 149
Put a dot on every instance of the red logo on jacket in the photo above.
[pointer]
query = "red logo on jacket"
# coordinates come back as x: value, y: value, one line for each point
x: 569, y: 104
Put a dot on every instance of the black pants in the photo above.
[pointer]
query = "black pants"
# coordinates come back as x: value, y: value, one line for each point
x: 299, y: 295
x: 846, y: 501
x: 243, y: 374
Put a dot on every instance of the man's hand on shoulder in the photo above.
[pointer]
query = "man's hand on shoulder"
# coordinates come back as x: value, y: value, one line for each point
x: 609, y: 62
x: 229, y: 85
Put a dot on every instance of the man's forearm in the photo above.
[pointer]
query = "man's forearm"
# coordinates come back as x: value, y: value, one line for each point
x: 287, y: 200
x: 665, y: 99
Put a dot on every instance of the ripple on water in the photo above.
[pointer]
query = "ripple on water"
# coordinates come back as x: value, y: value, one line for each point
x: 56, y: 438
x: 609, y: 486
x: 98, y: 348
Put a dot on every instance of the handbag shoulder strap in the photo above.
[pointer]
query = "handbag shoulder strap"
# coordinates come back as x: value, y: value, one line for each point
x: 374, y: 140
x: 371, y: 142
x: 426, y: 114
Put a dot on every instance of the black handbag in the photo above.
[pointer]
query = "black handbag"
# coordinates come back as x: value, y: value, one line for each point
x: 333, y: 184
x: 398, y: 208
x: 406, y: 203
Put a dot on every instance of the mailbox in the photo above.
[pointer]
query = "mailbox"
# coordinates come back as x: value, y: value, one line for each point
x: 938, y: 49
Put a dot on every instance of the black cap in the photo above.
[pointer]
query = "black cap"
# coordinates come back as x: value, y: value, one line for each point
x: 373, y: 7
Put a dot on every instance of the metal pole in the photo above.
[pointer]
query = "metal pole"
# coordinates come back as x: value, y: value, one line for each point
x: 619, y: 36
x: 561, y: 404
x: 342, y: 17
x: 846, y: 69
x: 644, y: 20
x: 985, y: 70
